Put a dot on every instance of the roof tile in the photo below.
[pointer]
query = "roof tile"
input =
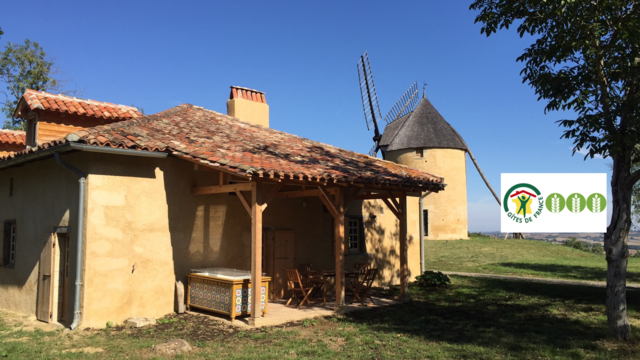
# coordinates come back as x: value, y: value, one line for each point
x: 12, y: 137
x: 70, y: 105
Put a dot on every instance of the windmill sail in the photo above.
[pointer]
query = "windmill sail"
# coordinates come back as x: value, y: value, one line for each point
x: 368, y: 93
x: 406, y: 104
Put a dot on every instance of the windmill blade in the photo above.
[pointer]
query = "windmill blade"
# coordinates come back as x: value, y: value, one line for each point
x: 368, y: 93
x: 374, y: 150
x: 406, y: 104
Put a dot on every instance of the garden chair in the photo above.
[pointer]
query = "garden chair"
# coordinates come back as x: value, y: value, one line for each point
x: 311, y: 280
x: 362, y: 289
x: 297, y: 288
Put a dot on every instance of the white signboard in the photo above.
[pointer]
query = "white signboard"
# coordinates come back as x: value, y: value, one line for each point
x: 553, y: 203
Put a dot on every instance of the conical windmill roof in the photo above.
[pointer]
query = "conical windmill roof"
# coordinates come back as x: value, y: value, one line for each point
x: 422, y: 128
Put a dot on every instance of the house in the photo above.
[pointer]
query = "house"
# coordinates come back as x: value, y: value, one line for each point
x: 11, y: 141
x: 102, y: 221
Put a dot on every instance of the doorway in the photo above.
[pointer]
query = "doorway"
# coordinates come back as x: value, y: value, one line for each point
x: 283, y: 258
x: 60, y: 278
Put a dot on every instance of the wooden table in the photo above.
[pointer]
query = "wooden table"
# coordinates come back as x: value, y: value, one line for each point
x: 326, y: 274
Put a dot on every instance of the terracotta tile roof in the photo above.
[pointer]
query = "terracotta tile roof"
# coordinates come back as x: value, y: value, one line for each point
x: 247, y: 149
x: 12, y: 137
x: 70, y: 105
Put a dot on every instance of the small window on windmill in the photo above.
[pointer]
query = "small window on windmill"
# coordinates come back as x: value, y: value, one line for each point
x: 420, y: 153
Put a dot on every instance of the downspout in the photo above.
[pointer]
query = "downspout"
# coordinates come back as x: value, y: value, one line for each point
x: 422, y: 231
x: 82, y: 179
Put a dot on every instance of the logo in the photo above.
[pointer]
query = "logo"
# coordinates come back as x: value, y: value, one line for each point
x: 523, y: 203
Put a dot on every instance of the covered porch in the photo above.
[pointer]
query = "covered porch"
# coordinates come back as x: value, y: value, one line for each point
x: 258, y: 191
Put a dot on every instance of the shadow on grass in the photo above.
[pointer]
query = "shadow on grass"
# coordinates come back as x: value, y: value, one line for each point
x: 569, y: 271
x: 539, y: 319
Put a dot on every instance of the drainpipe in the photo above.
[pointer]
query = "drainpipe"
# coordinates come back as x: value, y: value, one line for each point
x: 422, y: 232
x: 82, y: 179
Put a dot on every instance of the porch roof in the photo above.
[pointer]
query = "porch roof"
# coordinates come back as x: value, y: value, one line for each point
x: 247, y: 150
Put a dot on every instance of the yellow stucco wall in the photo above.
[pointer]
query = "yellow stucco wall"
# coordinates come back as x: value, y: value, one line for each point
x: 145, y: 230
x: 37, y: 209
x: 247, y: 110
x: 447, y: 209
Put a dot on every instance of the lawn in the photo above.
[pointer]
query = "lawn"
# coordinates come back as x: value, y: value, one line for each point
x: 522, y: 258
x: 475, y: 318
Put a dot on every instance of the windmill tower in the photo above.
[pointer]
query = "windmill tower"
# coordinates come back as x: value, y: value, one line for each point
x: 416, y: 135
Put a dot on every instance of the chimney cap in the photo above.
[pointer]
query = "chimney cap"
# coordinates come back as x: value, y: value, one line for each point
x: 238, y: 92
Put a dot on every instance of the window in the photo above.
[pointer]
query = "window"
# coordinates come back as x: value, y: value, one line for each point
x: 420, y: 153
x: 425, y: 222
x: 356, y: 235
x: 9, y: 245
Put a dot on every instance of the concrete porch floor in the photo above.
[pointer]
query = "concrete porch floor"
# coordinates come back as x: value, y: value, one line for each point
x: 278, y: 313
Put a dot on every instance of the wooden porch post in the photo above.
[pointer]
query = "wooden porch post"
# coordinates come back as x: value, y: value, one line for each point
x: 256, y: 253
x: 339, y: 239
x: 404, y: 268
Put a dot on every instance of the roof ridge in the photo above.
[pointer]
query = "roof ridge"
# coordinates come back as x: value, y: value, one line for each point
x: 13, y: 131
x: 79, y: 99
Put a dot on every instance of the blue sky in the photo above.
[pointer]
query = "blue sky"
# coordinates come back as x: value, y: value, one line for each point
x: 159, y: 54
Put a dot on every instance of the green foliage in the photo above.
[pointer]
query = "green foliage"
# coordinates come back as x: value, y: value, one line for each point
x: 573, y: 242
x: 23, y: 67
x: 477, y: 234
x: 585, y: 59
x: 432, y: 279
x: 166, y: 320
x: 109, y: 324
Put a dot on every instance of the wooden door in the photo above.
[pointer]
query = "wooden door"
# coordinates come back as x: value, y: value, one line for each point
x: 45, y: 281
x: 283, y: 252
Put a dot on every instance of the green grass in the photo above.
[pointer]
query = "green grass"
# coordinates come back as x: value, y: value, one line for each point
x: 520, y: 258
x: 474, y: 319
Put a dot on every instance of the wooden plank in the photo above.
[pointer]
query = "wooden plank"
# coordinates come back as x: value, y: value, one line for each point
x: 256, y: 252
x: 221, y: 189
x: 404, y: 267
x: 392, y: 208
x: 339, y: 250
x: 45, y: 281
x: 244, y: 202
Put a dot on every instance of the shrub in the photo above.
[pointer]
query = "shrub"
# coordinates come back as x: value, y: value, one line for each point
x: 573, y: 242
x: 477, y: 234
x: 433, y: 279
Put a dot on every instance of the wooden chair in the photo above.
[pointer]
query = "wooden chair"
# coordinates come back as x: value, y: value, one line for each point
x: 297, y: 288
x: 361, y: 289
x: 309, y: 280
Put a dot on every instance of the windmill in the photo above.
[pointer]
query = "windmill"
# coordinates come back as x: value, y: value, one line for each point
x: 444, y: 136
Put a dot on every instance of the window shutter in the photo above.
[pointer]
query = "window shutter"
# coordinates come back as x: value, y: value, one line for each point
x: 363, y: 243
x: 6, y: 248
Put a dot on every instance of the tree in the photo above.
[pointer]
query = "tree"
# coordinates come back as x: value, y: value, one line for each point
x: 24, y: 67
x: 585, y: 58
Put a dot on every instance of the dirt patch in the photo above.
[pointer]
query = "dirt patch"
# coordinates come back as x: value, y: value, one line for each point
x: 24, y: 322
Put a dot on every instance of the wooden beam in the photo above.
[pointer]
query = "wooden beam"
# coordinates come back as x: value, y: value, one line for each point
x: 297, y: 193
x: 392, y: 208
x: 220, y: 189
x: 404, y: 255
x: 371, y: 196
x: 256, y: 253
x: 244, y: 202
x: 330, y: 207
x: 273, y: 193
x: 394, y: 201
x: 339, y: 250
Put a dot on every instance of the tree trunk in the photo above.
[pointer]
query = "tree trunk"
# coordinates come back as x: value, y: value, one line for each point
x: 617, y: 249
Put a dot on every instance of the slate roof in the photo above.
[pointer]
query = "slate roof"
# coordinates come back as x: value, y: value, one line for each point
x: 247, y: 149
x: 422, y: 128
x: 71, y: 105
x: 12, y: 137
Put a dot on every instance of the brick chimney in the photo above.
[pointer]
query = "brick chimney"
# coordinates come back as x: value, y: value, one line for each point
x: 248, y: 105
